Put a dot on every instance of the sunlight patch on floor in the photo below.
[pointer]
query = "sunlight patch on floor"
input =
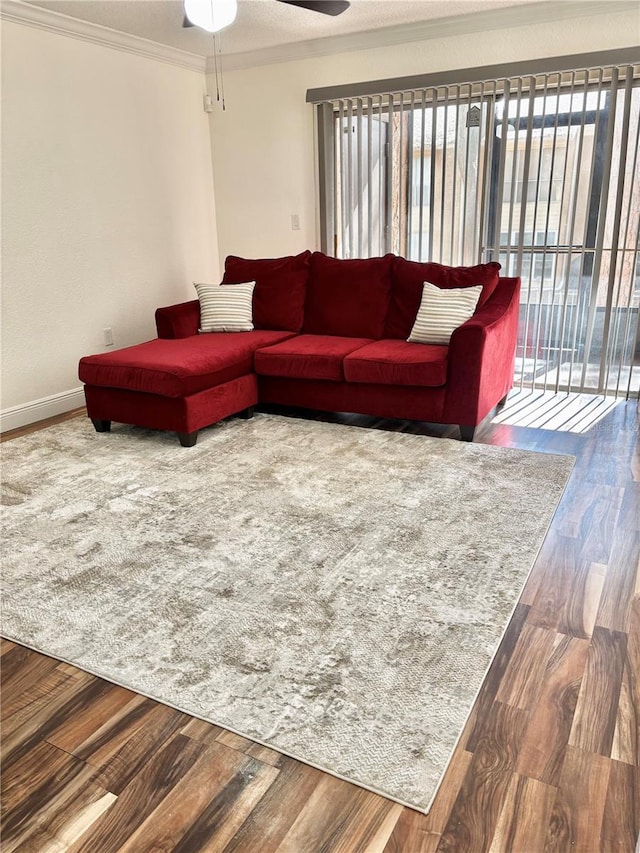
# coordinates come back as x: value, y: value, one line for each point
x: 560, y: 412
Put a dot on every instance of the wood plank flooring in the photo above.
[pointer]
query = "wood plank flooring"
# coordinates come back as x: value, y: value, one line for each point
x: 548, y: 761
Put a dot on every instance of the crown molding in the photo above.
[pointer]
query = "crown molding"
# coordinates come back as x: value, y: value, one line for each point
x: 455, y: 25
x: 54, y: 22
x: 530, y: 14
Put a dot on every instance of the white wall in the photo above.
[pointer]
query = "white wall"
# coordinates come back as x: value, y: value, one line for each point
x: 263, y: 144
x: 107, y: 205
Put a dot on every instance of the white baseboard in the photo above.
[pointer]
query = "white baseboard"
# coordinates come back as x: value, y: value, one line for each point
x: 38, y: 410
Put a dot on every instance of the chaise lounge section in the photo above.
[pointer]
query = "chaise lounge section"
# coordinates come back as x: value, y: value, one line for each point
x: 328, y: 334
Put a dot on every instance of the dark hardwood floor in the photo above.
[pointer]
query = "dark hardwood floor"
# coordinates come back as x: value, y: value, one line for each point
x: 549, y: 759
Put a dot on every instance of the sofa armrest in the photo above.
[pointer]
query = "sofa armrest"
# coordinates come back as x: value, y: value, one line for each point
x: 178, y: 321
x: 481, y: 357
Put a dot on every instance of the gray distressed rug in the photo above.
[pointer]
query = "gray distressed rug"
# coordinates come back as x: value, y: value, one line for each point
x: 332, y: 592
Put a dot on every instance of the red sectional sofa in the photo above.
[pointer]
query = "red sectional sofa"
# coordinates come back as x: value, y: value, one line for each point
x: 328, y: 334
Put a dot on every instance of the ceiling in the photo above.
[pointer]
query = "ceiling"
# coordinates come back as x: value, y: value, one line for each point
x: 263, y: 24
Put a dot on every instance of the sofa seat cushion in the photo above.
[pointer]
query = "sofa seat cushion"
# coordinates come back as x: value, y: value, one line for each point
x: 177, y: 367
x: 308, y: 357
x: 393, y: 362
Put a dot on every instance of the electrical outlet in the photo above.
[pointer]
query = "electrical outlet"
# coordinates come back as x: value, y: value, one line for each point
x: 295, y: 221
x: 108, y: 337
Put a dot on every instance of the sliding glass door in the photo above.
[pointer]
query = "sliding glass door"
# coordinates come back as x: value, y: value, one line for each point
x: 563, y: 215
x: 538, y: 172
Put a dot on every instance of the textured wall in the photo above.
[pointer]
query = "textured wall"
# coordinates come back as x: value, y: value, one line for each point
x: 107, y: 202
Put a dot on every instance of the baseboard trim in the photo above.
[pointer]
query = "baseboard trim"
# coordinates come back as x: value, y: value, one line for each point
x: 38, y: 410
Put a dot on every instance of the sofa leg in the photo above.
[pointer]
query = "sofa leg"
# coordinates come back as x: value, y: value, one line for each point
x: 466, y: 432
x: 101, y: 425
x: 247, y: 414
x: 188, y: 439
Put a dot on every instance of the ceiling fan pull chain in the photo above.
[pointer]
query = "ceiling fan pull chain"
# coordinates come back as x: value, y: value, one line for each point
x: 215, y: 66
x: 221, y: 71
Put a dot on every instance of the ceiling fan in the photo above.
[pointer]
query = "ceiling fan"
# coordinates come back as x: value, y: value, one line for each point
x: 213, y: 15
x: 327, y: 7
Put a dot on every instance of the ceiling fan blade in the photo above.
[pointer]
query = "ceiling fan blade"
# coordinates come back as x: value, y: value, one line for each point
x: 327, y: 7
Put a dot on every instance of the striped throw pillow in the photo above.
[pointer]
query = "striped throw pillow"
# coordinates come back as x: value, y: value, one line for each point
x: 226, y: 309
x: 441, y: 311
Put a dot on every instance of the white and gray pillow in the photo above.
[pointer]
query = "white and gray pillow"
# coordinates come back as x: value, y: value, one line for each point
x: 226, y: 308
x: 442, y: 311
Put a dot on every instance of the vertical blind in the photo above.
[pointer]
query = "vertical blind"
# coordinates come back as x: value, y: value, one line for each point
x: 537, y: 171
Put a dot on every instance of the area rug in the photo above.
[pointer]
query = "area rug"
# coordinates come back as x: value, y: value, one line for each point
x: 333, y: 592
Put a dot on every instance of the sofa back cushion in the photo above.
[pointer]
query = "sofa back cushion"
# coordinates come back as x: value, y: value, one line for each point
x: 279, y: 294
x: 349, y: 298
x: 407, y: 278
